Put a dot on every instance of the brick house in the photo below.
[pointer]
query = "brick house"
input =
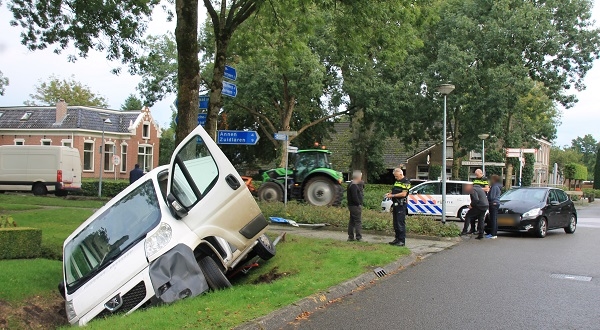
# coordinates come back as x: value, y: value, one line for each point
x: 132, y: 136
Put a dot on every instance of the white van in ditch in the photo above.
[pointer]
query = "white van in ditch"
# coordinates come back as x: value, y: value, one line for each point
x: 426, y: 199
x: 174, y: 233
x: 40, y: 169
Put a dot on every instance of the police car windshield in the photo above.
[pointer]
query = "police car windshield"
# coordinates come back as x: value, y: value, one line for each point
x: 524, y: 194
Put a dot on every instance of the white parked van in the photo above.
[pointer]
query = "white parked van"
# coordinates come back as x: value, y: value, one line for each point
x: 175, y: 233
x: 40, y: 169
x: 426, y: 199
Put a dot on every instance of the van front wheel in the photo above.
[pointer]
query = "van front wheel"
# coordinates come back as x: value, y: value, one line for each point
x: 212, y: 273
x: 39, y: 189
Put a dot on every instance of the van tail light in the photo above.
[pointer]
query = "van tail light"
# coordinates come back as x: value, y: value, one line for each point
x: 59, y: 176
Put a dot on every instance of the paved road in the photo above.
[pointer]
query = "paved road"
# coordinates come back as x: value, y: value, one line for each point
x: 492, y: 284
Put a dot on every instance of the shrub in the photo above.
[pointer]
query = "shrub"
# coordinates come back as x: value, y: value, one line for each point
x: 6, y: 221
x: 110, y: 188
x: 19, y: 243
x: 371, y: 219
x: 588, y: 192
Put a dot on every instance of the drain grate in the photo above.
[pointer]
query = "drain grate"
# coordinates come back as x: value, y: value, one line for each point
x: 571, y: 277
x: 380, y: 272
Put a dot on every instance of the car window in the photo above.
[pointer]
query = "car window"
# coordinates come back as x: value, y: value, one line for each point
x: 433, y: 188
x: 111, y: 233
x: 552, y: 196
x: 454, y: 188
x: 562, y: 196
x: 194, y: 174
x: 524, y: 194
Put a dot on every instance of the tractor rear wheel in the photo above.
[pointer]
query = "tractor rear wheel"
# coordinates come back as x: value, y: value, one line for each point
x: 321, y: 191
x: 270, y: 192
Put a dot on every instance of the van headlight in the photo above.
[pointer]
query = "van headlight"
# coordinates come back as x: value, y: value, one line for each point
x: 158, y: 240
x: 70, y: 310
x: 532, y: 214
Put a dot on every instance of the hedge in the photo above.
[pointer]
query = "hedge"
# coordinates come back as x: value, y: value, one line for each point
x: 575, y: 171
x: 20, y: 243
x: 110, y: 188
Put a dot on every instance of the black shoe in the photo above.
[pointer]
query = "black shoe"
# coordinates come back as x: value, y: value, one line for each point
x: 394, y: 242
x: 471, y: 233
x: 351, y: 239
x: 359, y: 239
x: 464, y: 233
x: 399, y: 244
x: 479, y: 237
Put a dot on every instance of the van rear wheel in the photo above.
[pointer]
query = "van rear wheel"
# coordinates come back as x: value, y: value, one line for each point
x: 39, y: 189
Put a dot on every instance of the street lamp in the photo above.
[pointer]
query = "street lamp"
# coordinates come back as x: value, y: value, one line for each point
x: 483, y: 137
x: 105, y: 121
x: 444, y: 89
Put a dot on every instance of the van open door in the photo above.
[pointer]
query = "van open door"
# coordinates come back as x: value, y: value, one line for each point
x: 206, y: 192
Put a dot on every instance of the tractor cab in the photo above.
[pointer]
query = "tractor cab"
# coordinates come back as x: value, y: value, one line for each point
x: 308, y: 160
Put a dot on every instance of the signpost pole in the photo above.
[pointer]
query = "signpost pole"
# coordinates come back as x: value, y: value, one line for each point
x: 285, y: 186
x: 520, y: 167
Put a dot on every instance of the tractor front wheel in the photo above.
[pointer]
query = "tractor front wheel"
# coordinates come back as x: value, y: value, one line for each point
x: 270, y: 192
x: 320, y: 191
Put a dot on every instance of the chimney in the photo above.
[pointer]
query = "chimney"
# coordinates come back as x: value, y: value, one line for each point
x: 61, y: 110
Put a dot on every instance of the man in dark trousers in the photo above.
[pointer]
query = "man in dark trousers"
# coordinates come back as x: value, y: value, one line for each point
x: 398, y: 196
x: 355, y: 194
x: 494, y: 200
x: 482, y: 181
x: 479, y: 205
x: 135, y: 174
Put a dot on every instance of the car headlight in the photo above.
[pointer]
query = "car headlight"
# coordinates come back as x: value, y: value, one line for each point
x: 158, y: 240
x: 532, y: 214
x: 70, y: 310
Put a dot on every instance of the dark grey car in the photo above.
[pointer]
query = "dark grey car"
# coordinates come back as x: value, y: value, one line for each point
x: 536, y: 210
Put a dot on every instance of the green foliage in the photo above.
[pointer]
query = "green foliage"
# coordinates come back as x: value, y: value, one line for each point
x: 308, y: 266
x: 132, y: 103
x: 371, y: 219
x: 528, y: 170
x: 575, y: 172
x: 110, y: 188
x: 25, y: 278
x: 6, y: 221
x: 20, y: 243
x: 491, y: 170
x: 72, y: 91
x: 3, y: 83
x: 29, y: 202
x: 463, y: 173
x: 597, y: 169
x: 435, y: 171
x: 589, y: 192
x: 586, y: 146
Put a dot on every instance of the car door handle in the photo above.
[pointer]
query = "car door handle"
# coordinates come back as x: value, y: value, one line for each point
x: 232, y: 182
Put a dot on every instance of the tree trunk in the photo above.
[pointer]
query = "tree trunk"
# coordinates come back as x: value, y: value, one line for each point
x: 508, y: 175
x: 216, y: 86
x: 359, y: 143
x: 188, y: 70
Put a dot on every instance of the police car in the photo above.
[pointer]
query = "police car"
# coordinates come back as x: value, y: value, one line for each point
x: 426, y: 199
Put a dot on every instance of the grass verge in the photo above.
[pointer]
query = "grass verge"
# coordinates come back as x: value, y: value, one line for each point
x: 9, y: 199
x: 371, y: 220
x: 24, y: 278
x: 302, y: 267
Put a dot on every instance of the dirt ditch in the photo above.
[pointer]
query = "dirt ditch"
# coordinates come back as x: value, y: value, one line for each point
x: 34, y: 313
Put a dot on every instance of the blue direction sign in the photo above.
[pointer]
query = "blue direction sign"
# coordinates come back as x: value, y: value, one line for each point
x: 237, y: 137
x: 229, y: 89
x: 280, y: 137
x: 202, y: 102
x: 201, y: 119
x: 230, y: 73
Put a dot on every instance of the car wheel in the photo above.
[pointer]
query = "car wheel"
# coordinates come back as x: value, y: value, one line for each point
x: 321, y: 191
x: 212, y: 273
x: 264, y: 248
x: 541, y: 228
x: 462, y: 213
x: 270, y: 192
x: 39, y: 189
x: 570, y: 229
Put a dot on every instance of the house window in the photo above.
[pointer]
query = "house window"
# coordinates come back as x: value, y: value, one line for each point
x: 449, y: 152
x: 88, y: 156
x: 26, y: 116
x: 46, y: 142
x: 123, y: 158
x: 67, y: 143
x: 1, y: 113
x: 145, y: 157
x: 109, y: 152
x: 146, y: 131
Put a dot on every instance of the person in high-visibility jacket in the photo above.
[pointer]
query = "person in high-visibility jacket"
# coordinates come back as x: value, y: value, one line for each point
x: 482, y: 181
x: 398, y: 196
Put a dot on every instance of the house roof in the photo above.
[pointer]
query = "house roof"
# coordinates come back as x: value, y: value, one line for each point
x: 78, y: 117
x: 340, y: 145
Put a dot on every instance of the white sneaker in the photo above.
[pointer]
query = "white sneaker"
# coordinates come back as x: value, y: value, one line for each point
x: 493, y: 237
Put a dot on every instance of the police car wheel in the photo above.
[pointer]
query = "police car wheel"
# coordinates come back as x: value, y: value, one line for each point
x: 462, y: 213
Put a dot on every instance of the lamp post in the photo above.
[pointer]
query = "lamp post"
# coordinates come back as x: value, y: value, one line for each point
x: 483, y: 137
x: 105, y: 121
x: 444, y: 89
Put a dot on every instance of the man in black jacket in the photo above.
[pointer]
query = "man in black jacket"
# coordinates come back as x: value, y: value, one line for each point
x: 479, y: 205
x: 355, y: 194
x: 135, y: 174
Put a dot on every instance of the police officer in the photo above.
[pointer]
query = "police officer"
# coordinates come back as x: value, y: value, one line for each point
x: 482, y: 181
x: 398, y: 196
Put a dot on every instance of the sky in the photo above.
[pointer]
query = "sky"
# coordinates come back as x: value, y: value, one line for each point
x: 26, y: 69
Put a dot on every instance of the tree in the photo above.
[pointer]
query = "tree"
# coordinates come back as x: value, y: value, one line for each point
x: 597, y: 169
x: 72, y: 91
x: 117, y: 27
x: 587, y: 147
x: 3, y: 83
x: 132, y: 103
x: 562, y: 157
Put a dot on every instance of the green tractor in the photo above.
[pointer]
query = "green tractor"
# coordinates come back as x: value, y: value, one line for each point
x: 311, y: 179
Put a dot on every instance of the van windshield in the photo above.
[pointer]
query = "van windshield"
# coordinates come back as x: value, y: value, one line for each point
x: 113, y: 232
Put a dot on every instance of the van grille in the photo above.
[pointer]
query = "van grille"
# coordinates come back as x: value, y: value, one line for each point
x: 131, y: 299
